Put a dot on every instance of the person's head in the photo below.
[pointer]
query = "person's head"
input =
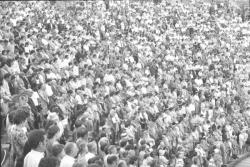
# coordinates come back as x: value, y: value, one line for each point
x: 20, y: 117
x: 49, y: 162
x: 112, y: 160
x: 112, y: 149
x: 132, y: 160
x: 71, y: 149
x: 123, y: 143
x: 122, y: 163
x: 92, y: 147
x: 36, y: 140
x: 53, y: 132
x: 7, y: 76
x: 82, y: 132
x: 58, y: 151
x: 82, y: 145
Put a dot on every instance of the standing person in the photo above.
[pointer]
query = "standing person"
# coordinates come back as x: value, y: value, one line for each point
x: 92, y: 151
x: 71, y: 151
x: 58, y: 151
x: 18, y: 135
x: 52, y: 138
x: 38, y: 146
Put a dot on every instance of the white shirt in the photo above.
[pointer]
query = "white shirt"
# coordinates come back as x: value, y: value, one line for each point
x: 35, y: 98
x: 33, y: 158
x: 76, y: 70
x: 67, y: 161
x: 15, y: 67
x: 48, y: 90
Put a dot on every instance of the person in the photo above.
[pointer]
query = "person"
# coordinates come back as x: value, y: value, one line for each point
x: 52, y: 138
x: 83, y: 150
x: 49, y: 162
x: 82, y: 134
x: 112, y: 161
x: 122, y: 163
x: 37, y: 143
x: 58, y: 151
x: 18, y: 135
x: 92, y: 151
x: 71, y: 151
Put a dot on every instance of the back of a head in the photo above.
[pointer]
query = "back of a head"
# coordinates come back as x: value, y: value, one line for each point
x: 82, y: 132
x: 52, y: 131
x: 69, y: 148
x: 92, y: 147
x: 26, y: 148
x: 82, y: 145
x: 35, y: 137
x: 122, y: 163
x: 49, y: 162
x: 112, y: 159
x: 94, y: 160
x: 19, y: 117
x: 57, y: 149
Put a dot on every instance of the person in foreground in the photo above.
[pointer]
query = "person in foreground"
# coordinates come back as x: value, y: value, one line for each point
x: 71, y: 151
x: 37, y: 144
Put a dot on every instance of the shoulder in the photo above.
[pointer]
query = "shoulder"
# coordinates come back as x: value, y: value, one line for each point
x: 27, y: 157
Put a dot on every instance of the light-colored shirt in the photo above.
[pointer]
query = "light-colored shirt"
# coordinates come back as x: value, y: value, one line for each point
x: 33, y: 158
x: 67, y: 161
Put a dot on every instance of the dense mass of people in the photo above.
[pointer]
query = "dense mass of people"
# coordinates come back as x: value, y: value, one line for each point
x: 131, y: 85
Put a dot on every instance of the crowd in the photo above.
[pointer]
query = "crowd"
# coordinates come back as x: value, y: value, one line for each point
x: 131, y: 85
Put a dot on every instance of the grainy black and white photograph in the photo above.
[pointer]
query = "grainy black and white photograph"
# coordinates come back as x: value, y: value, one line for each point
x: 125, y: 83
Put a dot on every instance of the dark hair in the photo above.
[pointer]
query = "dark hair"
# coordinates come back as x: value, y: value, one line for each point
x: 35, y: 137
x: 26, y: 150
x: 129, y: 147
x: 49, y: 162
x: 7, y: 75
x: 48, y: 124
x: 111, y: 159
x: 94, y: 159
x: 132, y: 160
x: 11, y: 116
x: 123, y: 143
x: 53, y: 129
x: 57, y: 149
x: 19, y: 117
x: 143, y: 142
x: 9, y: 61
